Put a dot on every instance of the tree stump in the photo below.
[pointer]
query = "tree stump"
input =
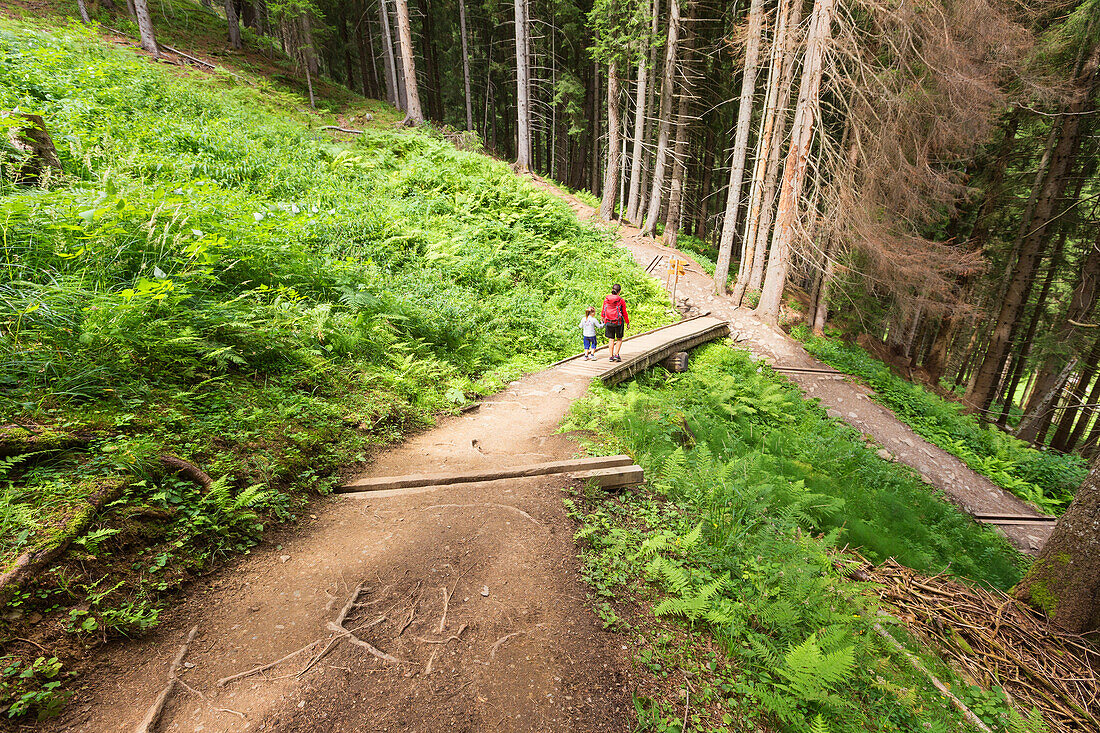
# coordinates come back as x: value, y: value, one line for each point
x: 39, y: 155
x: 677, y: 363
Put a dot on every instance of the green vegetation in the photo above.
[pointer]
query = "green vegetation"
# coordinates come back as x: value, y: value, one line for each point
x: 215, y: 279
x: 755, y: 489
x: 1047, y: 479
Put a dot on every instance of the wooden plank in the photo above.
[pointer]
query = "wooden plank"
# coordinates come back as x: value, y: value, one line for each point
x: 627, y: 369
x: 444, y: 479
x: 612, y: 478
x: 1016, y: 520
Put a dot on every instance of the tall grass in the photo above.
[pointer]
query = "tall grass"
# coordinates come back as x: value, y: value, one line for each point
x: 215, y: 278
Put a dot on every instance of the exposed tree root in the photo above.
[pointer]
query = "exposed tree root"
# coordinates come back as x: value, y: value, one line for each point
x: 152, y: 717
x: 189, y: 470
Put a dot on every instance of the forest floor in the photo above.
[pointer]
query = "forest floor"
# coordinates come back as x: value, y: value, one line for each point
x: 844, y: 397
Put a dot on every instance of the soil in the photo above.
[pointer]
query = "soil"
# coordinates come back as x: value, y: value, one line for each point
x: 844, y: 398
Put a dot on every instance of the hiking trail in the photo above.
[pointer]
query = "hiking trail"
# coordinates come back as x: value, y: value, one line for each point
x: 445, y: 608
x: 841, y: 395
x: 424, y: 609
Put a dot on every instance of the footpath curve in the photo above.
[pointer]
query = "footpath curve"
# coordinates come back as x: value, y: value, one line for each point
x: 842, y: 397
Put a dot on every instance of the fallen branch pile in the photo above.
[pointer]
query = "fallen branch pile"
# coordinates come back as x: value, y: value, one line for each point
x: 994, y: 639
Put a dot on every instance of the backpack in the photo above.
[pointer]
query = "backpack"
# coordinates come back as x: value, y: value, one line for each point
x: 612, y: 311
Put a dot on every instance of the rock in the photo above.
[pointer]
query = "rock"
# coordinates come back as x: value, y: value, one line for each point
x: 907, y: 441
x: 884, y: 454
x: 34, y: 617
x: 12, y: 616
x: 852, y: 415
x: 284, y: 558
x: 485, y: 591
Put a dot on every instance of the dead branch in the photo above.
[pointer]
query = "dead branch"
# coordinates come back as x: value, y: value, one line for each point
x: 457, y: 636
x: 446, y: 603
x: 501, y: 640
x: 342, y: 129
x: 149, y: 723
x: 990, y: 635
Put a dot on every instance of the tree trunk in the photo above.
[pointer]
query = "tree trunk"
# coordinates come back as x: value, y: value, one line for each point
x: 740, y: 148
x: 145, y: 27
x: 640, y: 110
x: 821, y: 309
x: 1034, y: 230
x: 431, y: 58
x: 349, y: 64
x: 611, y: 176
x: 413, y: 115
x: 1081, y: 304
x: 1030, y: 424
x: 234, y: 24
x: 523, y: 119
x: 794, y: 170
x: 704, y: 185
x: 1064, y: 581
x: 1020, y: 365
x: 465, y: 65
x: 771, y: 177
x: 364, y: 38
x: 1076, y: 400
x: 656, y: 188
x: 679, y: 154
x: 647, y: 133
x: 393, y: 96
x: 84, y: 12
x: 765, y: 140
x: 1087, y: 415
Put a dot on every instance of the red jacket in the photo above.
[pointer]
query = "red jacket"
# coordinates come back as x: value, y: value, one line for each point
x: 613, y: 306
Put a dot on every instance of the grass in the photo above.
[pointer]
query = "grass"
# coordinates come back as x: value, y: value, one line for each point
x: 755, y: 492
x: 1047, y: 479
x: 213, y: 278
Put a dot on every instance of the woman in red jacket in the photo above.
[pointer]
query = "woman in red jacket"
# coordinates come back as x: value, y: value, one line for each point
x: 615, y: 319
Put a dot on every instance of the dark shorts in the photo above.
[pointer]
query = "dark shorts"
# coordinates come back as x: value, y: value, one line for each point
x: 589, y: 342
x: 613, y: 330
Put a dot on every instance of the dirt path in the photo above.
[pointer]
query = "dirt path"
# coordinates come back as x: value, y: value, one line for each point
x: 520, y: 649
x: 843, y: 398
x: 466, y: 608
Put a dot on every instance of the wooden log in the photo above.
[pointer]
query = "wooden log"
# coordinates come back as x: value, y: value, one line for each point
x: 493, y: 474
x: 612, y: 478
x: 676, y: 363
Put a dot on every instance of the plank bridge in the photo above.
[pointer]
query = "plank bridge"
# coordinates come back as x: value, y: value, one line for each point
x: 647, y: 349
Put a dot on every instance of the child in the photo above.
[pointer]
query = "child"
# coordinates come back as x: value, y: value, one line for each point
x: 589, y: 324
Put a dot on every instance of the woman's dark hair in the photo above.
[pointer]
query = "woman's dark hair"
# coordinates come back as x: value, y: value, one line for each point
x: 616, y: 288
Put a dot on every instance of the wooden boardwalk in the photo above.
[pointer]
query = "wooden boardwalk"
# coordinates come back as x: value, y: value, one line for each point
x: 646, y: 349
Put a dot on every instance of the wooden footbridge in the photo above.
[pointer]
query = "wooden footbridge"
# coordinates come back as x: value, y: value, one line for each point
x: 638, y: 354
x: 647, y: 349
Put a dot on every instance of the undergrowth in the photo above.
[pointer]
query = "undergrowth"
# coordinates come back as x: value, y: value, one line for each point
x: 754, y: 493
x: 1047, y: 479
x: 213, y: 278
